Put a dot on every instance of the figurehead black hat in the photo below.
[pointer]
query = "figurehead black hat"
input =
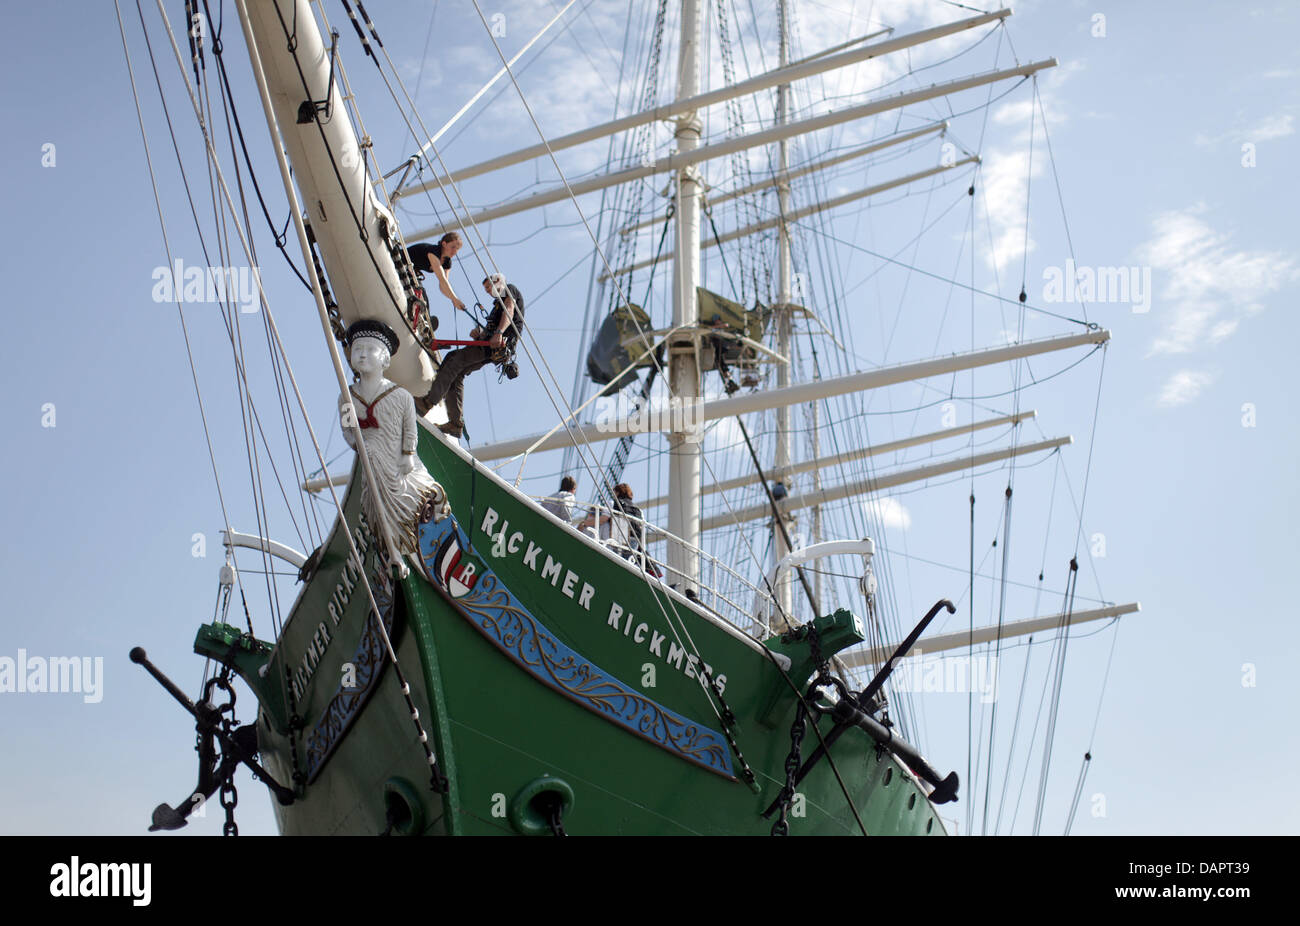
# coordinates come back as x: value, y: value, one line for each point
x: 372, y: 328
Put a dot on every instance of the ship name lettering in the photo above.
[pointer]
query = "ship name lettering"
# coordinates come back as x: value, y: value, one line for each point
x: 675, y: 654
x: 336, y: 605
x: 618, y: 618
x: 311, y: 658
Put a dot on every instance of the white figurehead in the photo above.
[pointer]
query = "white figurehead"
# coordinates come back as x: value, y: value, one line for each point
x: 385, y: 414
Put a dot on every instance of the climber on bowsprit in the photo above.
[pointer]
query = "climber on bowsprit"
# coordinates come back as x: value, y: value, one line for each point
x: 501, y: 331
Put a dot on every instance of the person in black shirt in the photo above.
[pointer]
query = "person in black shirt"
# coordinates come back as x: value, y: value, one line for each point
x: 437, y: 258
x: 507, y: 316
x: 502, y: 332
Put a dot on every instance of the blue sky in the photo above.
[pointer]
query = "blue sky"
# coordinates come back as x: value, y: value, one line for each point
x: 1173, y: 143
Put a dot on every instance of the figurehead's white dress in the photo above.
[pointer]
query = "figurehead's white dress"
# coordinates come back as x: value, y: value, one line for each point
x: 390, y: 433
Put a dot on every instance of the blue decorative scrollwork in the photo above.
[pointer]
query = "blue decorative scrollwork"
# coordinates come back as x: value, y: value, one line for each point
x: 494, y: 610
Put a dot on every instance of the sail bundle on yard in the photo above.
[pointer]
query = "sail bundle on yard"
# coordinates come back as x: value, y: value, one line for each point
x: 618, y: 345
x: 719, y: 312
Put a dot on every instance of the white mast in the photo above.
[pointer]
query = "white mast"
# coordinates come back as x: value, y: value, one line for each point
x: 683, y: 355
x: 781, y: 456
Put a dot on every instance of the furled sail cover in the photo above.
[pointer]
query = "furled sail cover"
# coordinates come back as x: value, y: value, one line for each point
x: 750, y: 323
x: 617, y: 344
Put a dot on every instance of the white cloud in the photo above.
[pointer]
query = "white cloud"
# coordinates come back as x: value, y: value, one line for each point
x: 1207, y: 287
x: 1003, y: 180
x: 1278, y: 126
x: 1183, y: 387
x: 1007, y: 168
x: 1269, y: 128
x: 890, y: 512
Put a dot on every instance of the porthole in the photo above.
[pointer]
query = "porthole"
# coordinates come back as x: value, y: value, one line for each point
x: 403, y: 808
x: 529, y: 812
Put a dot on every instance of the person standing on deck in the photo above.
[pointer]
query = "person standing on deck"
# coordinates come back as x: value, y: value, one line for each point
x: 561, y: 504
x: 628, y: 529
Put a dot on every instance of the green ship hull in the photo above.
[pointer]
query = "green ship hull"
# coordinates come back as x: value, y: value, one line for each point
x: 545, y: 670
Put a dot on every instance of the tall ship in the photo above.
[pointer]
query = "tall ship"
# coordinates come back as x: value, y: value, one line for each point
x: 719, y: 636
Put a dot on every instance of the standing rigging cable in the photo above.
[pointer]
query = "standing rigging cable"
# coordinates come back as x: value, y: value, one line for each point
x: 1015, y: 725
x: 723, y: 712
x: 884, y: 622
x: 1074, y: 575
x: 438, y: 782
x: 1006, y: 538
x: 611, y: 204
x: 207, y: 434
x: 970, y: 642
x: 565, y: 419
x: 572, y: 198
x: 232, y: 316
x: 614, y: 474
x: 281, y: 237
x: 1078, y: 791
x: 1058, y: 673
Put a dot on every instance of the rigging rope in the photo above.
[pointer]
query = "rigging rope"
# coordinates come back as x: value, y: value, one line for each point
x: 232, y: 318
x: 1078, y: 791
x: 162, y: 223
x: 437, y: 781
x: 573, y: 199
x: 1058, y: 674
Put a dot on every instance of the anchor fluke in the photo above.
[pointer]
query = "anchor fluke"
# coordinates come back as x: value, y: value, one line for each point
x: 166, y: 817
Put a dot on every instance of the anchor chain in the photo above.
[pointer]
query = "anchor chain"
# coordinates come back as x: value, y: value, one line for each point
x: 228, y: 794
x: 555, y: 814
x: 798, y: 728
x: 792, y: 762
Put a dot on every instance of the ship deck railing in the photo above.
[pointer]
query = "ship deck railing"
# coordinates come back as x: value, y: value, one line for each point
x: 719, y: 584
